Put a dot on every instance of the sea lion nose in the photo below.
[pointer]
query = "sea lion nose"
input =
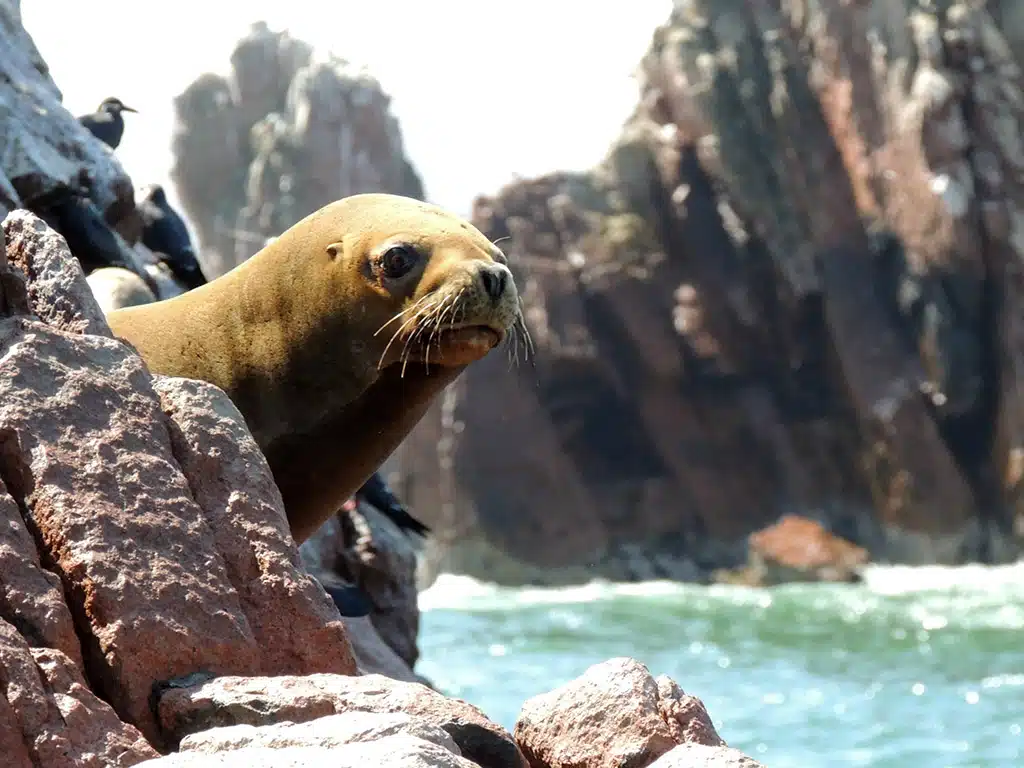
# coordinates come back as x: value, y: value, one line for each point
x: 495, y: 279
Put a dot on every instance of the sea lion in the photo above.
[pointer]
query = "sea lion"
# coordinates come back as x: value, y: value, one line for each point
x: 335, y: 338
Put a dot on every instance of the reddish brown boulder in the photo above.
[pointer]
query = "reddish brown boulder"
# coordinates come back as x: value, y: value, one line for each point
x: 798, y: 549
x: 614, y: 714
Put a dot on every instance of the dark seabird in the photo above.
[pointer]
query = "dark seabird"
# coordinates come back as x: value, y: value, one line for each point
x: 376, y: 493
x: 165, y: 234
x: 106, y: 123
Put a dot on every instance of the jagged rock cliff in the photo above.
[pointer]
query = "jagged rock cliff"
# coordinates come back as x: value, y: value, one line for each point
x: 794, y: 284
x: 285, y: 133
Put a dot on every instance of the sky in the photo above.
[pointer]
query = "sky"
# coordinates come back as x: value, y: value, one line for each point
x: 484, y: 92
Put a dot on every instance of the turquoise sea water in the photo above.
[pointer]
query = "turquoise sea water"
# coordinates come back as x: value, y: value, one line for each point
x: 919, y: 667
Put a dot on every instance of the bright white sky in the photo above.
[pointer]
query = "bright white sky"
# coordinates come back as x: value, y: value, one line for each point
x: 483, y: 91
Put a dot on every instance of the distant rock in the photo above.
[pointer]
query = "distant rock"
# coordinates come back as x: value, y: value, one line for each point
x: 796, y: 549
x: 785, y: 288
x: 285, y: 133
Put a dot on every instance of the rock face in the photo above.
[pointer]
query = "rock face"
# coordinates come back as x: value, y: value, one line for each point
x: 44, y: 145
x: 792, y: 285
x: 287, y: 132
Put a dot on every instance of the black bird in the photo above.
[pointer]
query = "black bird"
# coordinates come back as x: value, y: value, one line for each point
x: 376, y: 493
x: 165, y: 234
x: 106, y: 123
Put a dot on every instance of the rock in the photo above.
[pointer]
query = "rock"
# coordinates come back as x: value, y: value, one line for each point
x: 753, y: 306
x: 614, y: 714
x: 44, y: 145
x: 361, y: 546
x: 701, y: 756
x: 58, y: 293
x: 398, y: 751
x: 797, y: 549
x: 257, y: 701
x: 49, y: 716
x: 324, y: 732
x: 288, y: 131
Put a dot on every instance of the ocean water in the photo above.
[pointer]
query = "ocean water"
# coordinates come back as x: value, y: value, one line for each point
x: 919, y: 667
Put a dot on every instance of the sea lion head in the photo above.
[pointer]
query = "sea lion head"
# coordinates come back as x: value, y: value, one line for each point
x: 414, y: 283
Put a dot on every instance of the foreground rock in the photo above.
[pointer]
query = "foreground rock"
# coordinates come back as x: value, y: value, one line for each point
x: 789, y: 286
x: 613, y: 715
x: 285, y: 133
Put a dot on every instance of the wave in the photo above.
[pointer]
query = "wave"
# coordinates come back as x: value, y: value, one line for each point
x: 931, y: 597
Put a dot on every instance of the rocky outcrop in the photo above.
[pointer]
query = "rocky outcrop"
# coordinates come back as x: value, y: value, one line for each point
x: 792, y: 286
x: 285, y: 133
x: 796, y: 549
x: 44, y: 147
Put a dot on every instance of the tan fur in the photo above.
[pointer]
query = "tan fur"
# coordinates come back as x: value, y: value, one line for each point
x: 298, y: 337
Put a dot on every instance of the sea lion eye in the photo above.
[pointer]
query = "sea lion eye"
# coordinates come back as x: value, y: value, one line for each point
x: 397, y: 261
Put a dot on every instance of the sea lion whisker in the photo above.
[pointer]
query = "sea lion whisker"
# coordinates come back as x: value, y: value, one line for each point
x: 412, y: 319
x: 410, y: 308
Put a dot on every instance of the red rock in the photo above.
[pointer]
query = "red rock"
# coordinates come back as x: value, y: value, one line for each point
x: 798, y: 549
x: 292, y: 618
x: 614, y: 714
x: 62, y: 723
x: 31, y: 597
x: 262, y: 700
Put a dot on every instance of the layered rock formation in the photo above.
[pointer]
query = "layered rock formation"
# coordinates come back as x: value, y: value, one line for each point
x: 285, y: 133
x: 793, y: 285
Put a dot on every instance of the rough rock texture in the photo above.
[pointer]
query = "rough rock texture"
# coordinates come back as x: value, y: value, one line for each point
x: 797, y: 549
x: 361, y: 546
x: 49, y: 717
x: 615, y: 714
x: 329, y: 731
x: 794, y: 285
x: 43, y: 145
x: 392, y: 751
x: 701, y: 756
x: 285, y: 133
x: 187, y: 709
x: 185, y: 535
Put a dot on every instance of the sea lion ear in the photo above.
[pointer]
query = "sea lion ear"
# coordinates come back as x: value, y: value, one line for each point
x: 334, y: 250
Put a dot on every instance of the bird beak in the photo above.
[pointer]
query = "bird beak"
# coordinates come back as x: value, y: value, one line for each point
x: 128, y: 109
